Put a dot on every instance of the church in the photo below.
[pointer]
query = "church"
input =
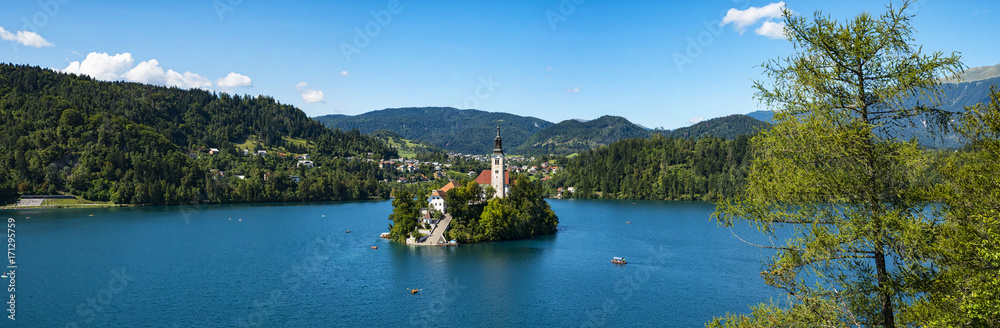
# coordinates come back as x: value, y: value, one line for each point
x: 496, y: 177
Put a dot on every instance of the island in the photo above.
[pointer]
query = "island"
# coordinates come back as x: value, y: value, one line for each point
x: 492, y: 208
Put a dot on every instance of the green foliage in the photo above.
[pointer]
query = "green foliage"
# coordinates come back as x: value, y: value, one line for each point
x: 967, y: 291
x: 830, y: 172
x: 140, y: 144
x: 409, y: 148
x: 405, y: 211
x: 477, y: 216
x: 466, y: 131
x: 659, y: 168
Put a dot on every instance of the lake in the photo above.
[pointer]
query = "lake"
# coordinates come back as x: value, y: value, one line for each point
x: 282, y: 265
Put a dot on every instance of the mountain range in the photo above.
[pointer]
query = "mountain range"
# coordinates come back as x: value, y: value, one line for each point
x: 466, y: 131
x: 472, y: 131
x: 967, y: 89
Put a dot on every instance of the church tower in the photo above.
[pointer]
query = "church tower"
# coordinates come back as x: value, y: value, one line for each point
x: 499, y: 170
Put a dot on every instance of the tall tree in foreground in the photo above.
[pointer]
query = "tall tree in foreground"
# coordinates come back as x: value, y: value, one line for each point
x: 841, y: 199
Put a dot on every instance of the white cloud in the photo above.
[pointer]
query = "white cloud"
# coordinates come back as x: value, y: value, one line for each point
x: 694, y: 120
x: 573, y: 90
x: 312, y: 96
x: 550, y: 69
x: 345, y: 73
x: 27, y: 38
x: 750, y: 16
x: 234, y: 80
x: 308, y: 95
x: 102, y: 66
x: 772, y: 30
x: 150, y: 72
x: 118, y: 67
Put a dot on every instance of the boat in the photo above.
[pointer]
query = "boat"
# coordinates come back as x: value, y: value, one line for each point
x: 348, y: 231
x: 385, y: 235
x: 452, y: 242
x: 628, y: 222
x: 374, y: 247
x: 618, y: 260
x: 414, y: 291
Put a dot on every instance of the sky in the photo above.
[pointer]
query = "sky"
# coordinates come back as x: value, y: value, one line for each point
x: 662, y: 64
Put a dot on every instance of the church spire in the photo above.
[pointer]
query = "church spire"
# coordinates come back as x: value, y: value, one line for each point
x: 498, y: 147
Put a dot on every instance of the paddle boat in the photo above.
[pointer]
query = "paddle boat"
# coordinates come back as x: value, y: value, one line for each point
x: 618, y: 260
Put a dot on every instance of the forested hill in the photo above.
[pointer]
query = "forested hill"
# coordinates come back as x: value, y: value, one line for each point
x: 572, y: 136
x: 467, y: 130
x: 728, y: 127
x: 659, y: 168
x: 135, y: 143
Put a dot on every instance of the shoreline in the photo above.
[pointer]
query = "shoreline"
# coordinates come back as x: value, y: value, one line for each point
x: 75, y: 206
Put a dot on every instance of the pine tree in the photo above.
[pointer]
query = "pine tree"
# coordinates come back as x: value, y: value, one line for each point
x: 831, y: 174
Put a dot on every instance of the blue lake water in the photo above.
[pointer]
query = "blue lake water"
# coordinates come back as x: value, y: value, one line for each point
x: 289, y: 266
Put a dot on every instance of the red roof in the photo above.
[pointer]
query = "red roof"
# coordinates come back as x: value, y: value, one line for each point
x: 448, y: 186
x: 486, y: 177
x: 440, y: 193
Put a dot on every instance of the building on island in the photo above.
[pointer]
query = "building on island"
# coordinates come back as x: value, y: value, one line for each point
x: 496, y: 177
x: 436, y: 200
x: 437, y: 197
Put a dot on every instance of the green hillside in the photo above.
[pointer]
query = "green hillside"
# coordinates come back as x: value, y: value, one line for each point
x: 572, y: 136
x: 131, y: 143
x: 659, y: 168
x: 405, y: 147
x: 467, y: 131
x: 728, y: 127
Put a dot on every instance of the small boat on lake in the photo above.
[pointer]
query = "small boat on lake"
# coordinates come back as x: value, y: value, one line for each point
x: 414, y: 291
x: 374, y: 247
x: 618, y: 260
x: 385, y: 235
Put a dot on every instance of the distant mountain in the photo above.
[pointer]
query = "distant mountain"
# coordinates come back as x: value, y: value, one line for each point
x: 571, y: 136
x: 958, y: 96
x: 472, y: 131
x: 728, y: 127
x: 763, y: 115
x: 461, y: 130
x: 974, y: 90
x: 976, y: 74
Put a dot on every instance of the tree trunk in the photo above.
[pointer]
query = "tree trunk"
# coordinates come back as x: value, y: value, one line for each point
x: 885, y: 297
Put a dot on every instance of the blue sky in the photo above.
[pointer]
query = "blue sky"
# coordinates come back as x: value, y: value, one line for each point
x: 656, y: 63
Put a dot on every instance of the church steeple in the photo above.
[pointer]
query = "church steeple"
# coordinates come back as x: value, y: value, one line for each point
x: 498, y: 147
x: 498, y: 174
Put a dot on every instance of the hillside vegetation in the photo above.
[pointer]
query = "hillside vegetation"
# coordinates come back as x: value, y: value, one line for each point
x: 659, y: 168
x: 139, y: 144
x: 466, y: 131
x: 572, y: 136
